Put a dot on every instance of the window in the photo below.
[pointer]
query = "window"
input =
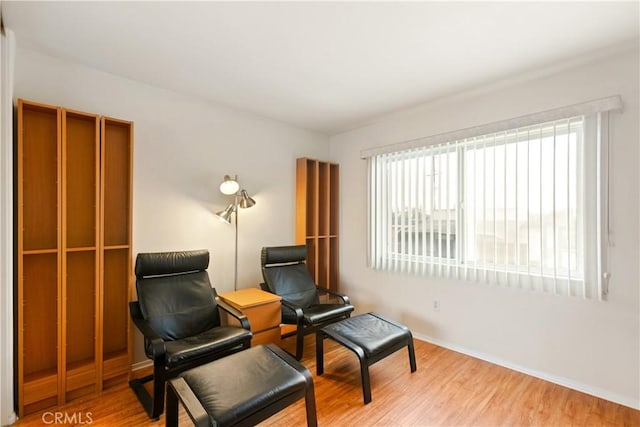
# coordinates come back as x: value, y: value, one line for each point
x: 518, y: 207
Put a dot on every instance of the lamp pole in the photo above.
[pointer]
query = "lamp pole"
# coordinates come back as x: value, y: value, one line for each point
x: 240, y: 200
x: 235, y: 270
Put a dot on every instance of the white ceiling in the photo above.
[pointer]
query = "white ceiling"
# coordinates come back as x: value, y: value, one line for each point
x: 323, y: 66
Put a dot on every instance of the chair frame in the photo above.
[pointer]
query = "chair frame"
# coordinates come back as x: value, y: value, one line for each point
x: 291, y: 256
x: 154, y: 405
x: 301, y: 329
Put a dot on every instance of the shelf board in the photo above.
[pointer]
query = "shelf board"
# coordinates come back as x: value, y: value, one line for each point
x: 40, y: 375
x: 81, y: 374
x: 115, y: 355
x: 115, y: 363
x: 40, y: 385
x: 39, y: 251
x: 114, y: 247
x: 81, y: 249
x: 81, y: 364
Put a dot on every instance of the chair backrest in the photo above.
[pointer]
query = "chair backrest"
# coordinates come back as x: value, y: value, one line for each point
x: 286, y: 274
x: 175, y: 294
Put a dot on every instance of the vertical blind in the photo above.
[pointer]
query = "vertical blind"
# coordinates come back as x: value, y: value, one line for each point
x: 514, y: 208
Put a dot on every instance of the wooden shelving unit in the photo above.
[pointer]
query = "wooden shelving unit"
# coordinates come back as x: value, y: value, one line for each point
x: 61, y: 264
x: 317, y: 216
x: 80, y: 263
x: 116, y: 181
x: 39, y: 259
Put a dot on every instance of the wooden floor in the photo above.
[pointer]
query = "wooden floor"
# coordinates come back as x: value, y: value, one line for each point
x: 448, y: 389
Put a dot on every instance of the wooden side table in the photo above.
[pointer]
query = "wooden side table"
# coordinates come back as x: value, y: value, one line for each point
x: 263, y: 311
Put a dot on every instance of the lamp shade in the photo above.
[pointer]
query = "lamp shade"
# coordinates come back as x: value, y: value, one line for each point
x: 229, y: 185
x: 225, y: 215
x: 245, y: 200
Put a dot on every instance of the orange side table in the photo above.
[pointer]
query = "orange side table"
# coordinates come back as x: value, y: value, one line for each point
x: 263, y: 311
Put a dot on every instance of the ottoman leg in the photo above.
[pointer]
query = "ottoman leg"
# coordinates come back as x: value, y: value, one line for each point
x: 412, y: 354
x: 366, y: 382
x: 310, y: 406
x: 319, y: 353
x: 171, y: 416
x: 309, y: 393
x: 364, y: 371
x: 299, y: 342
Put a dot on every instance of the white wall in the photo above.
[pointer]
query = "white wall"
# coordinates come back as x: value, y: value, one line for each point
x: 184, y: 146
x: 589, y: 345
x: 7, y: 48
x: 182, y: 149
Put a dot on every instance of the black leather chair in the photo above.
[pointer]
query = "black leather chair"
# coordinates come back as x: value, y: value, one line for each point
x: 178, y: 313
x: 285, y: 273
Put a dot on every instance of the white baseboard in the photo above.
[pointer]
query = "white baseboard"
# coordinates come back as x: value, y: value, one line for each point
x: 11, y: 419
x: 141, y: 365
x: 565, y: 382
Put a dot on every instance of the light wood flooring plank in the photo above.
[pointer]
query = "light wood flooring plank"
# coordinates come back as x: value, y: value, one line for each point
x: 448, y: 389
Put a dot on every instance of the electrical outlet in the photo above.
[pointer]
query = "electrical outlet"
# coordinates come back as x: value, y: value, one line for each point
x: 436, y: 305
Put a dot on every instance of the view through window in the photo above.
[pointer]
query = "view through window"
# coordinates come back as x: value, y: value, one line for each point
x: 509, y: 202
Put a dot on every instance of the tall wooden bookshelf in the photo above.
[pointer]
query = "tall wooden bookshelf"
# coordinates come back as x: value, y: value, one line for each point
x: 317, y: 215
x: 115, y: 237
x: 63, y: 273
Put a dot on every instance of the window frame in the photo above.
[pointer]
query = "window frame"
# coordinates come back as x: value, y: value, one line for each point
x: 467, y: 268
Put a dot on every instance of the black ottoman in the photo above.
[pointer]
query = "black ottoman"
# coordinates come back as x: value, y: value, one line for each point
x: 372, y: 338
x: 241, y: 389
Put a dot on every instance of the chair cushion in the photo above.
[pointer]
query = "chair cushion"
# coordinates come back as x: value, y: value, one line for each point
x: 283, y: 255
x: 212, y: 341
x: 369, y: 331
x: 235, y: 387
x: 293, y: 283
x: 178, y: 306
x: 163, y: 263
x: 319, y: 313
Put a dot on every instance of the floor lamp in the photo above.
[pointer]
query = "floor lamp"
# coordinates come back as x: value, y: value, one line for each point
x: 242, y: 200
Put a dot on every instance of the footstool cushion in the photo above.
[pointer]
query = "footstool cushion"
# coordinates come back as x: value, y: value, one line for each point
x: 371, y: 332
x: 371, y: 337
x: 244, y: 388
